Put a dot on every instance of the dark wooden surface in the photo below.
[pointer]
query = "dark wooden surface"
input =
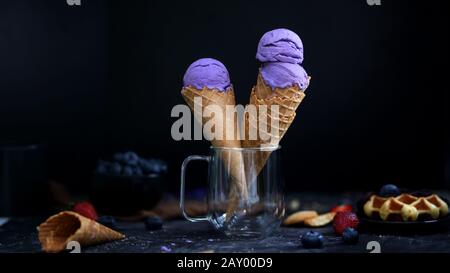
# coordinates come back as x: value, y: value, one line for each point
x: 20, y: 235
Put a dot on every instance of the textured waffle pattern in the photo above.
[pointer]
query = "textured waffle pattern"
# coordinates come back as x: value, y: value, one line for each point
x: 287, y: 99
x: 406, y: 207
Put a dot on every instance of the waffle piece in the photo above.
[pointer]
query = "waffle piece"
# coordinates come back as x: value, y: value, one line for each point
x: 373, y: 206
x: 426, y: 209
x: 439, y: 203
x: 406, y: 198
x: 395, y: 210
x: 406, y: 207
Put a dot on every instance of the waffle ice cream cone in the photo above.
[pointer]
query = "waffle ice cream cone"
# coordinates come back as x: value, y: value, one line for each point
x: 287, y: 99
x: 233, y: 160
x: 66, y: 226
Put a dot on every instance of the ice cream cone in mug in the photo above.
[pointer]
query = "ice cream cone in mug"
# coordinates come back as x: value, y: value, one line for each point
x: 287, y: 101
x: 207, y: 84
x: 281, y: 83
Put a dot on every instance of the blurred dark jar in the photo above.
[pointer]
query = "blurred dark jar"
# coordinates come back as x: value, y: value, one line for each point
x: 23, y: 180
x: 127, y: 195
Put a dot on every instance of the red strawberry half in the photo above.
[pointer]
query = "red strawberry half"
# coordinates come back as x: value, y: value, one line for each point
x: 86, y: 209
x: 344, y: 220
x: 342, y: 208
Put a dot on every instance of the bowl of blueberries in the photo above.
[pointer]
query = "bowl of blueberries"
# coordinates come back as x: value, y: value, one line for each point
x: 128, y: 183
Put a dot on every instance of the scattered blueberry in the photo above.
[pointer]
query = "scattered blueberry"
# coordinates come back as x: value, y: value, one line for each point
x: 312, y: 239
x: 153, y: 223
x: 131, y: 158
x: 389, y: 190
x: 350, y: 236
x: 130, y: 164
x: 145, y: 165
x: 153, y: 166
x: 108, y: 221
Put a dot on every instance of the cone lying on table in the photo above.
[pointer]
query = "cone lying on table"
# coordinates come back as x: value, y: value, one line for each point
x: 233, y: 160
x: 287, y: 99
x: 66, y: 226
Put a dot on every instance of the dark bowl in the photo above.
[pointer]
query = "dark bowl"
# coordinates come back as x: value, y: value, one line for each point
x: 398, y: 227
x: 126, y: 195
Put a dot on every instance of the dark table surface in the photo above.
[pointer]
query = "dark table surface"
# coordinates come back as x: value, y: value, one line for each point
x: 20, y: 235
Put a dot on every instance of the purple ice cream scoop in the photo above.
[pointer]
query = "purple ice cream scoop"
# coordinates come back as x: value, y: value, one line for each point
x: 282, y: 75
x: 209, y: 73
x: 280, y: 45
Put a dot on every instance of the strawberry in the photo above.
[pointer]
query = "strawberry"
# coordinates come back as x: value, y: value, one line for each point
x: 86, y: 209
x: 344, y: 220
x: 342, y: 208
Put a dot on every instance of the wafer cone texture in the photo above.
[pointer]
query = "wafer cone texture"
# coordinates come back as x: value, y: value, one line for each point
x: 288, y: 100
x: 232, y: 160
x: 66, y: 226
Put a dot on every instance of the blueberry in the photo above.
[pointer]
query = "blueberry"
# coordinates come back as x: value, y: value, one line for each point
x: 131, y: 158
x: 146, y: 166
x: 153, y: 166
x: 389, y: 190
x: 108, y: 221
x: 153, y: 223
x: 127, y: 171
x: 312, y: 239
x: 350, y: 236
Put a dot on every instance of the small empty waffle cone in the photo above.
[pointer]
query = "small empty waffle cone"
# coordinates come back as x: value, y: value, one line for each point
x: 406, y: 207
x: 66, y: 226
x: 233, y: 160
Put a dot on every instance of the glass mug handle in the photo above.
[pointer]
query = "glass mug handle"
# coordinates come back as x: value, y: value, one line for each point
x: 183, y: 186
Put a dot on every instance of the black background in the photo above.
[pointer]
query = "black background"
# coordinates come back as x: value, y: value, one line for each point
x: 102, y: 77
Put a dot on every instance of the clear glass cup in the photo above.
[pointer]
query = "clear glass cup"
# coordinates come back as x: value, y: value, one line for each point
x: 243, y: 200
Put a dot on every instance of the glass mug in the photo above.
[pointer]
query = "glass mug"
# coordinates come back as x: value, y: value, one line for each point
x: 256, y: 213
